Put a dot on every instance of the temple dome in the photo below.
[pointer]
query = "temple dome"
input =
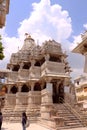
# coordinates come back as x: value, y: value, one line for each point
x: 29, y: 43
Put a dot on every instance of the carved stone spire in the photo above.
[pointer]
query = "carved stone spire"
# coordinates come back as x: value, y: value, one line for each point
x: 29, y: 42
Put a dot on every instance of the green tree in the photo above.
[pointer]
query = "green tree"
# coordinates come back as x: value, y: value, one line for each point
x: 1, y: 49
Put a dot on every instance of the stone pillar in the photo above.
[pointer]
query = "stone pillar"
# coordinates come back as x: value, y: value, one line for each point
x: 30, y: 94
x: 42, y: 86
x: 21, y: 65
x: 34, y: 102
x: 19, y: 87
x: 32, y: 86
x: 46, y: 101
x: 21, y: 101
x: 47, y: 56
x: 85, y: 66
x: 9, y: 87
x: 10, y: 99
x: 32, y: 62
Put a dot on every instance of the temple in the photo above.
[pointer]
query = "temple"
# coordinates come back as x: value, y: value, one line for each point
x: 38, y: 81
x: 34, y: 68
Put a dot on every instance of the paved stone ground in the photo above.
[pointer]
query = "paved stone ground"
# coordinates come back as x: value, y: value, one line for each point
x: 17, y: 126
x: 33, y: 126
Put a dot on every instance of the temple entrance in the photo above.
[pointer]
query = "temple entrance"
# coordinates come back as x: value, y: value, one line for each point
x: 58, y: 93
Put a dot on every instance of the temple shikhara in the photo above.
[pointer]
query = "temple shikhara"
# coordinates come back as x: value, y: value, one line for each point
x: 38, y: 81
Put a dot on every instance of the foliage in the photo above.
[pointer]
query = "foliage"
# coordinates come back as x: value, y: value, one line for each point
x: 1, y: 49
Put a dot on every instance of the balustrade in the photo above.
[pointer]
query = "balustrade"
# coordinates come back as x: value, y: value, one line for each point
x: 23, y: 74
x: 54, y: 68
x: 34, y: 72
x: 13, y: 76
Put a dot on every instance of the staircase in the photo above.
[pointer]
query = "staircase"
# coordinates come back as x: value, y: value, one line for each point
x: 71, y: 120
x: 7, y: 112
x: 71, y: 117
x: 13, y: 114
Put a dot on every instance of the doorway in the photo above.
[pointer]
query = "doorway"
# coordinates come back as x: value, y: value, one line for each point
x: 58, y: 93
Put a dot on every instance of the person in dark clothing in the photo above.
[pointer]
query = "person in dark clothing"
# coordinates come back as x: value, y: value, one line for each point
x: 1, y: 119
x: 24, y: 120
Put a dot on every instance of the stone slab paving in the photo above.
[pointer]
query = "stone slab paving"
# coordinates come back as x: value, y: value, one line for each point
x: 33, y: 126
x: 18, y: 126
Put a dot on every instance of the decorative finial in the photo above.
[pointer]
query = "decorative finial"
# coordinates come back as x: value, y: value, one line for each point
x: 27, y: 35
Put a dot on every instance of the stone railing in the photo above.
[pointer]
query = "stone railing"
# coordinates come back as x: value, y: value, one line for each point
x: 13, y: 76
x: 53, y: 68
x: 34, y: 97
x: 10, y: 99
x: 21, y: 98
x: 34, y: 72
x: 23, y: 74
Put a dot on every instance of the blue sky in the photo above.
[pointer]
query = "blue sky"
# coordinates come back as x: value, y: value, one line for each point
x: 19, y: 11
x: 60, y: 20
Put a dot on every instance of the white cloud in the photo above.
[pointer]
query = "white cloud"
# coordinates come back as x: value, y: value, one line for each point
x: 10, y: 46
x: 45, y: 22
x: 76, y: 41
x: 76, y: 72
x: 85, y: 26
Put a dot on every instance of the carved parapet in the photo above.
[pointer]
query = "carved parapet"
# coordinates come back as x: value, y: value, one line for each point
x: 34, y: 72
x: 22, y: 98
x: 46, y: 97
x: 52, y: 68
x: 23, y: 74
x: 13, y: 76
x: 10, y: 99
x: 51, y: 46
x: 34, y: 97
x: 84, y: 35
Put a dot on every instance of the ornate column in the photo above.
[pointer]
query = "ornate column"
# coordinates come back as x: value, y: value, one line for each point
x: 18, y: 101
x: 32, y: 62
x: 19, y: 87
x: 21, y: 65
x: 47, y: 56
x: 85, y: 66
x: 34, y: 101
x: 46, y: 100
x: 32, y: 86
x: 10, y: 97
x: 9, y: 87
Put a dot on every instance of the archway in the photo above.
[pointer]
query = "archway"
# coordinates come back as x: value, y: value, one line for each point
x: 15, y: 68
x: 14, y: 90
x: 25, y: 88
x: 58, y: 92
x: 37, y: 87
x: 61, y: 93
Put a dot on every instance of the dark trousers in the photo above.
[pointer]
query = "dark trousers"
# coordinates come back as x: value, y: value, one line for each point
x: 0, y: 125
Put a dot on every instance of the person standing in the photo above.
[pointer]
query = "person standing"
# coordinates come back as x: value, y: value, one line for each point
x: 24, y: 120
x: 1, y: 119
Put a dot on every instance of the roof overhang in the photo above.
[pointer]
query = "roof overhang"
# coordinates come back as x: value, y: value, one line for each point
x: 79, y: 47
